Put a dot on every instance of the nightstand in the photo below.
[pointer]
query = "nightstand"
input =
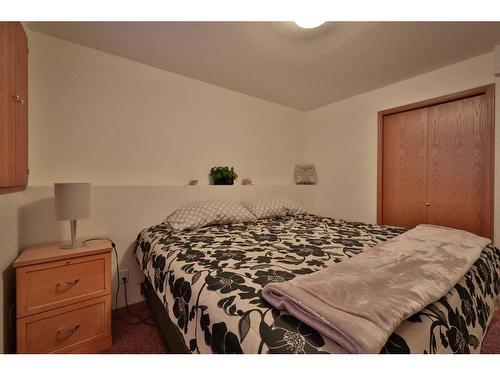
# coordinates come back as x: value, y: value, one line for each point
x: 64, y: 299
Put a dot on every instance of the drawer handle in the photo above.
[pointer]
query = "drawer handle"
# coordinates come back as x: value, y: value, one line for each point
x: 68, y: 331
x: 65, y: 284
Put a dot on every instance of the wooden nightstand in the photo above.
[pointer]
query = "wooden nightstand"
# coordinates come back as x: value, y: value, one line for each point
x: 64, y: 299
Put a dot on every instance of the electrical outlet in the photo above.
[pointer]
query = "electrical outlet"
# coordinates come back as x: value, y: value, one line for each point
x: 124, y: 275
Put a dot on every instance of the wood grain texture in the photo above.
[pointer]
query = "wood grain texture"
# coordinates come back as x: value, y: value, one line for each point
x: 5, y: 190
x: 13, y: 113
x: 7, y: 106
x: 51, y: 332
x: 52, y: 251
x: 404, y: 174
x: 43, y: 286
x: 460, y: 160
x: 50, y: 300
x: 21, y: 113
x: 460, y: 164
x: 441, y: 99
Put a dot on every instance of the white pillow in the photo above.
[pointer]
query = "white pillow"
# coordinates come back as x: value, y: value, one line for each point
x: 200, y: 214
x: 274, y: 207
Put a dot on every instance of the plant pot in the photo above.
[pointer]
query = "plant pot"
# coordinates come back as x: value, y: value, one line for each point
x: 223, y: 182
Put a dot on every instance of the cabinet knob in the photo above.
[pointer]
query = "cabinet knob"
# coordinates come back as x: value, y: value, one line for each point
x: 427, y: 204
x: 19, y: 99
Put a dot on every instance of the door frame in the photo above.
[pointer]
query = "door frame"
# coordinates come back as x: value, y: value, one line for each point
x: 487, y: 90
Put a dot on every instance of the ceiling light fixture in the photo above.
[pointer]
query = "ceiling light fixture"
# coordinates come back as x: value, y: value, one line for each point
x: 309, y: 23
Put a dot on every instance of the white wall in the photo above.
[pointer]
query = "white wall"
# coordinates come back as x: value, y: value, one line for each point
x: 341, y: 138
x: 139, y: 134
x: 111, y: 121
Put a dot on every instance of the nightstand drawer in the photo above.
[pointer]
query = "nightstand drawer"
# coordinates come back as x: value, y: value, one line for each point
x: 51, y: 285
x: 68, y: 329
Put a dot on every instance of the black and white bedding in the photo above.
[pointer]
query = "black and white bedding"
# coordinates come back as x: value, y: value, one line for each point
x: 210, y: 280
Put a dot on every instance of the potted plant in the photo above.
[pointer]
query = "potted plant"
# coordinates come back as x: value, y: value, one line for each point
x: 223, y: 175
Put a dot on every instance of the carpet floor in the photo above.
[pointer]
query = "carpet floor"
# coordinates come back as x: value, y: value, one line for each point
x: 135, y: 338
x: 491, y: 343
x: 142, y: 338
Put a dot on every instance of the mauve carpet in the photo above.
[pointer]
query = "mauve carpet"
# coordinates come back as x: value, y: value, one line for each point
x: 142, y: 338
x: 135, y: 338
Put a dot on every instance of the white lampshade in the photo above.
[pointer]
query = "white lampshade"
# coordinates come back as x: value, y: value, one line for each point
x: 72, y: 201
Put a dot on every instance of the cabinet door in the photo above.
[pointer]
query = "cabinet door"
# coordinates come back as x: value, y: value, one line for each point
x: 404, y: 171
x: 13, y: 106
x: 21, y: 113
x: 7, y: 107
x: 460, y: 165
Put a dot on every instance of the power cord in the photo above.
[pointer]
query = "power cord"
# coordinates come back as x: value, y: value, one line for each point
x: 124, y: 279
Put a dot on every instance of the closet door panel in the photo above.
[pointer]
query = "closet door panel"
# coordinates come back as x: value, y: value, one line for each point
x: 404, y: 173
x: 460, y: 164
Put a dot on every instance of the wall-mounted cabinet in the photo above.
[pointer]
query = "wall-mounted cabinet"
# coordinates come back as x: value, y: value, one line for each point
x: 13, y: 107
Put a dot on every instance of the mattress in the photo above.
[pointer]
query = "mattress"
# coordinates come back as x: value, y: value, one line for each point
x: 210, y: 281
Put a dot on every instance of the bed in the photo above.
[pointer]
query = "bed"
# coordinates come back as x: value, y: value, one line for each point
x: 206, y: 287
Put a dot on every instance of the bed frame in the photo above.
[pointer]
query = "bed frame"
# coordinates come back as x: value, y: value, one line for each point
x: 170, y: 333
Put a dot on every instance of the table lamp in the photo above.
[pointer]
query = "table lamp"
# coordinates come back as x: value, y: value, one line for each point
x: 72, y: 202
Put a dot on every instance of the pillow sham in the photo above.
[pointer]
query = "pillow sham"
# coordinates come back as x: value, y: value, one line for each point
x: 274, y: 207
x: 200, y: 214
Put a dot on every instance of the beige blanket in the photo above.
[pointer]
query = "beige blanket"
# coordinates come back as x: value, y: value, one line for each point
x: 358, y: 303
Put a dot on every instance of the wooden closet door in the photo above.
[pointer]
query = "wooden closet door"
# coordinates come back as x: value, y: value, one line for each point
x: 404, y: 171
x: 460, y: 165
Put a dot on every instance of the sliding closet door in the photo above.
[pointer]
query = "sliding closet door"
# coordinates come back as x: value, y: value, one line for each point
x: 460, y: 165
x: 404, y: 171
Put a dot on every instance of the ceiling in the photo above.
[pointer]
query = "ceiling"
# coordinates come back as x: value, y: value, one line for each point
x: 278, y: 61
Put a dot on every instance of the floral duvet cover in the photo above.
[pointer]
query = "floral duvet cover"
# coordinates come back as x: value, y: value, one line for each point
x: 210, y: 280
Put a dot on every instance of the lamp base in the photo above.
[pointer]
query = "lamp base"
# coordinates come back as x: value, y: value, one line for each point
x: 70, y: 245
x: 74, y: 244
